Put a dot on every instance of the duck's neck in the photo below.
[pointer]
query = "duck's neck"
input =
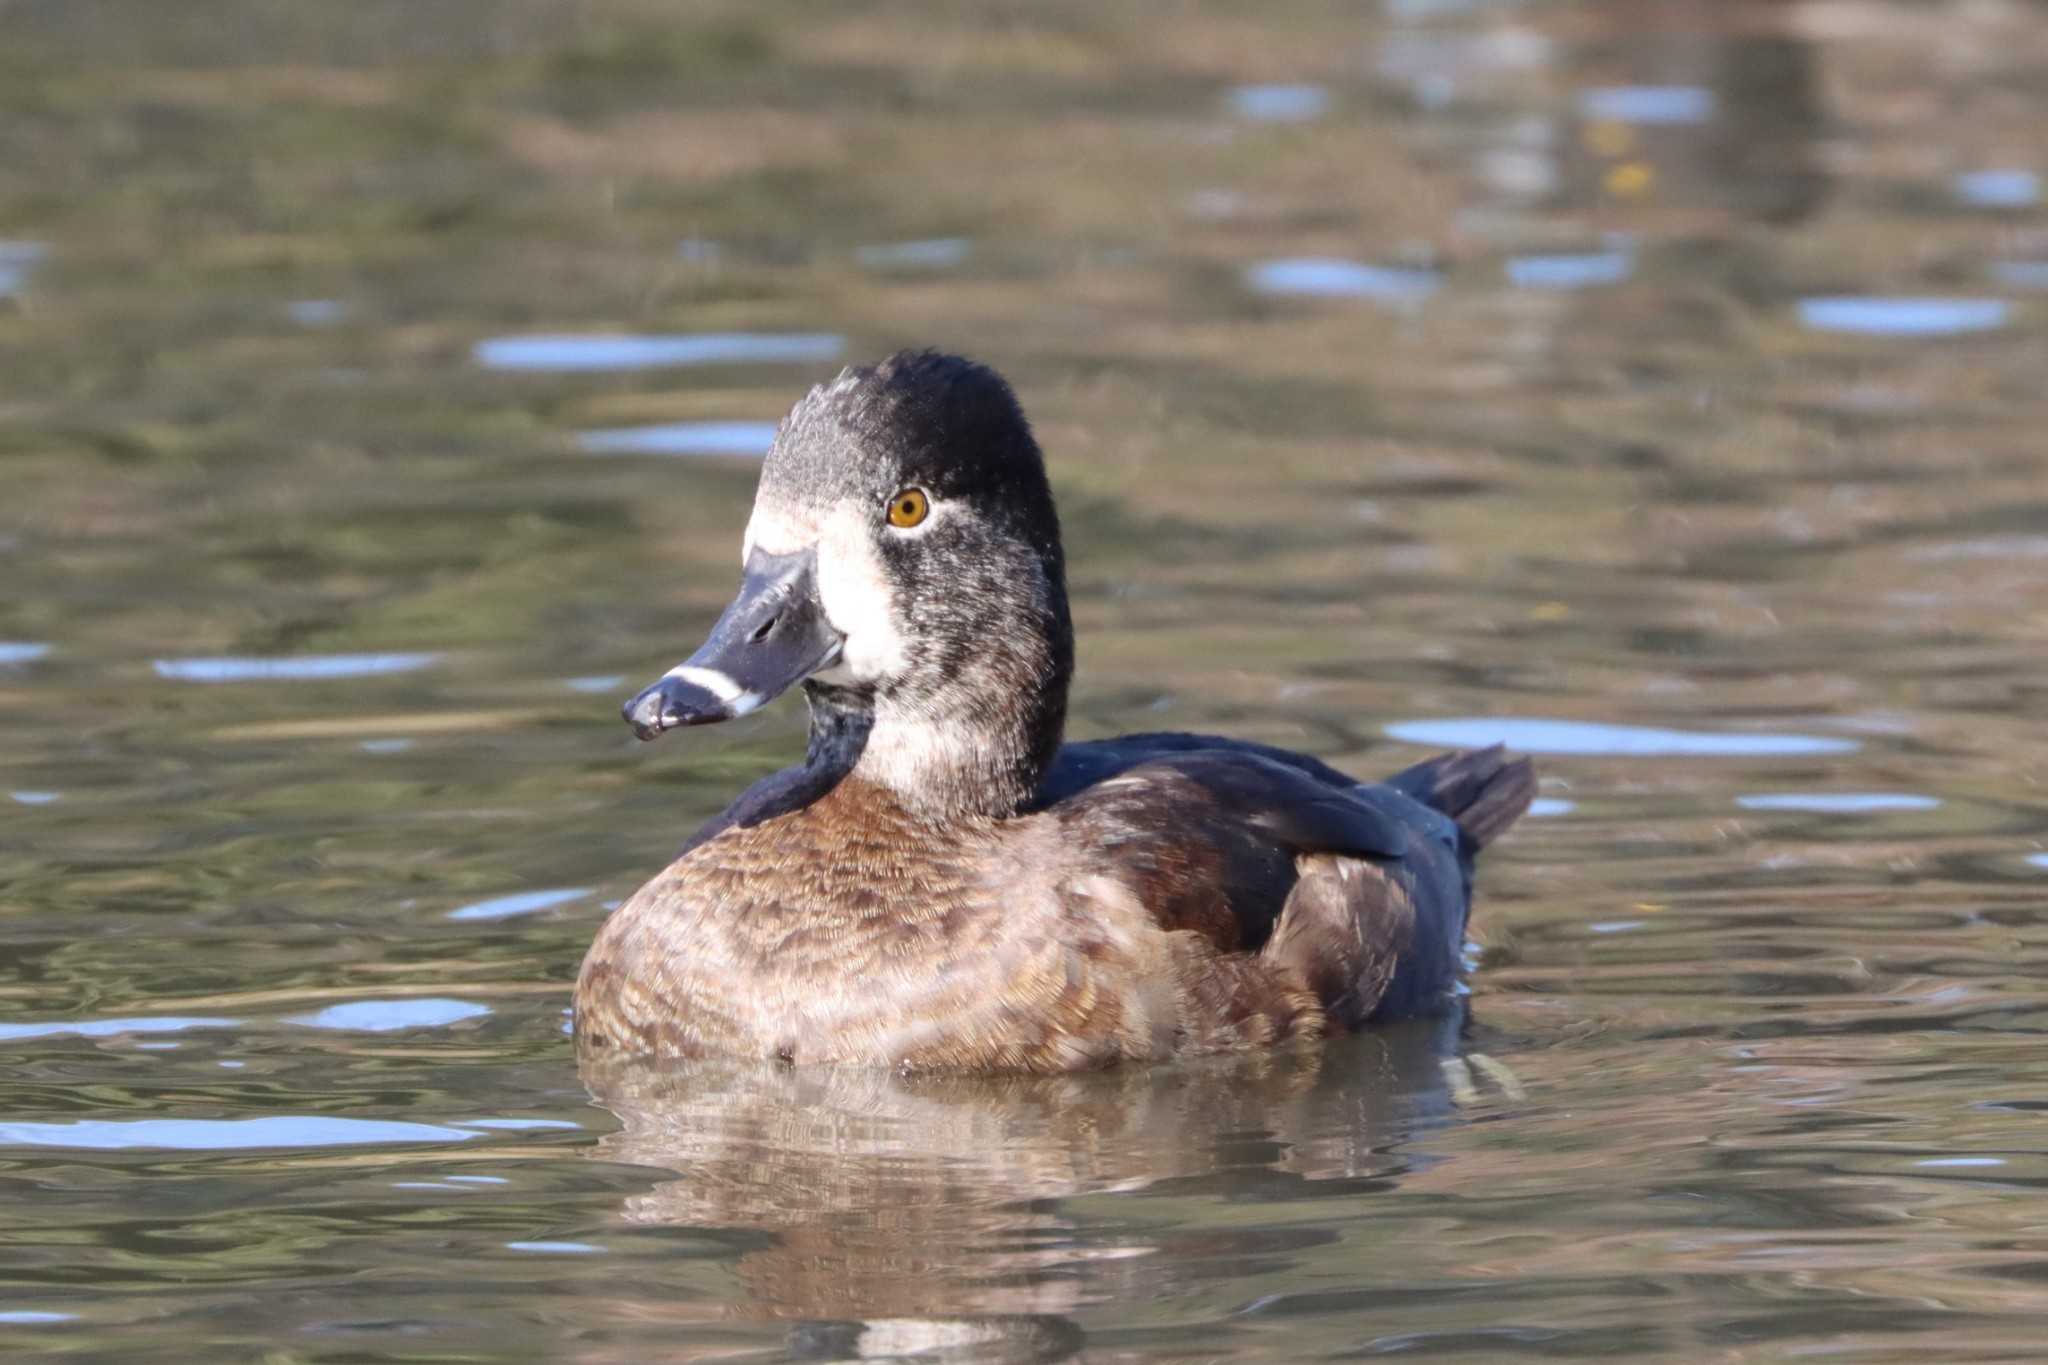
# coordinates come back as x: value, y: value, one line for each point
x: 946, y: 762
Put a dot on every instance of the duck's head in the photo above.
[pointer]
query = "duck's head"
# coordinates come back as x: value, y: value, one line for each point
x: 903, y: 562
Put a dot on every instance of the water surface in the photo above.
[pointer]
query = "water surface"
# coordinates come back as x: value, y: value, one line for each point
x: 1654, y: 387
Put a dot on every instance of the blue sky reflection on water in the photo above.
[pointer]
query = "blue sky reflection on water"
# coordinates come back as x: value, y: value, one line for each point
x: 18, y: 261
x: 1649, y: 105
x: 1578, y: 271
x: 518, y: 903
x: 1329, y: 277
x: 109, y: 1028
x: 1999, y: 189
x: 386, y: 1016
x: 1280, y: 103
x: 307, y: 668
x: 618, y: 351
x: 218, y: 1135
x: 1839, y: 803
x: 1904, y: 317
x: 745, y: 439
x: 1537, y: 735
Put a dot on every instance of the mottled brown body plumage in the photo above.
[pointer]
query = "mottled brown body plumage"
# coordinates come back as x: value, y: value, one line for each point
x: 943, y: 885
x: 855, y: 931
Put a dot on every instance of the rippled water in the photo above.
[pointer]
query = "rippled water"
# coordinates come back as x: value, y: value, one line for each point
x: 1656, y: 385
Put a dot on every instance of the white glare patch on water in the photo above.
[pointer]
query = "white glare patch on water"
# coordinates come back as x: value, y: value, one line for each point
x: 519, y: 903
x: 31, y: 1317
x: 385, y: 1016
x: 1999, y: 189
x: 1647, y: 104
x: 2021, y: 274
x: 311, y: 667
x: 478, y: 1180
x: 930, y: 253
x: 1335, y: 278
x: 1280, y: 103
x: 1839, y: 803
x: 1615, y: 926
x: 562, y: 1248
x: 1581, y: 271
x: 1545, y: 806
x: 1962, y: 1161
x: 316, y: 312
x: 17, y: 261
x: 109, y: 1028
x: 34, y: 798
x: 216, y: 1135
x: 1539, y: 735
x: 596, y: 682
x: 21, y: 652
x: 386, y: 746
x: 681, y: 438
x: 1903, y: 317
x: 2038, y: 859
x: 618, y: 351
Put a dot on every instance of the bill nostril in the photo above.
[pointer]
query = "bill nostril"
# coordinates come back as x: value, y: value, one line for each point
x: 766, y: 628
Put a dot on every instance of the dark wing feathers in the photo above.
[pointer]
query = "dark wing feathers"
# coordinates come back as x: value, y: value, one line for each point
x: 1297, y: 811
x: 1361, y: 890
x: 1079, y: 766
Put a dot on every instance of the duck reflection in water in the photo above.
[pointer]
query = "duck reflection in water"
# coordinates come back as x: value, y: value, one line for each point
x: 925, y: 1216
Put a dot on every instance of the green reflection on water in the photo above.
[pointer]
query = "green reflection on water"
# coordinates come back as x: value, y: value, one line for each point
x: 1726, y: 1057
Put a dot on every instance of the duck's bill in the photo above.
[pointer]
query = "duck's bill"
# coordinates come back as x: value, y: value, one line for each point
x: 773, y: 636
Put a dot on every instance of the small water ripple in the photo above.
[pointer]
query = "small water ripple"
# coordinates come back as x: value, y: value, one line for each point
x: 314, y: 667
x: 618, y: 351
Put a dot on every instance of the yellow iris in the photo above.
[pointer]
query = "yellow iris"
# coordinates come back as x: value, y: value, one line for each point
x: 909, y: 507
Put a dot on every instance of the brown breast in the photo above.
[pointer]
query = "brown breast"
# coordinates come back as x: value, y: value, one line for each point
x: 853, y: 931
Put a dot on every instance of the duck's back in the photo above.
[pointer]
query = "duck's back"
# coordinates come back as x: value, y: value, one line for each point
x: 1359, y: 890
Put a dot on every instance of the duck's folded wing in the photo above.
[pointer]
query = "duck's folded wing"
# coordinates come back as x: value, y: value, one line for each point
x: 1211, y: 839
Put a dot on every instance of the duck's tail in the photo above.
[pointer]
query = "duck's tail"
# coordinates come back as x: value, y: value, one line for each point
x: 1483, y: 790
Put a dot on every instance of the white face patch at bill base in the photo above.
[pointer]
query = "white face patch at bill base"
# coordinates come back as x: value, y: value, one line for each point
x: 859, y: 599
x: 775, y: 531
x: 737, y: 699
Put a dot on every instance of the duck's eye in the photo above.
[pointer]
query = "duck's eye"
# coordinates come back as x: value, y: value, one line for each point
x: 909, y: 507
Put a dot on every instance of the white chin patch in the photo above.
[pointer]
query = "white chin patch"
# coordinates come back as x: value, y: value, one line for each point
x: 737, y: 699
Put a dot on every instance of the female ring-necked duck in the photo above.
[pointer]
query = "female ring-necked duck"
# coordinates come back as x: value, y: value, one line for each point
x: 941, y: 883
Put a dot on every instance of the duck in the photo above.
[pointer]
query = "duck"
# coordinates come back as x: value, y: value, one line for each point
x: 944, y: 884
